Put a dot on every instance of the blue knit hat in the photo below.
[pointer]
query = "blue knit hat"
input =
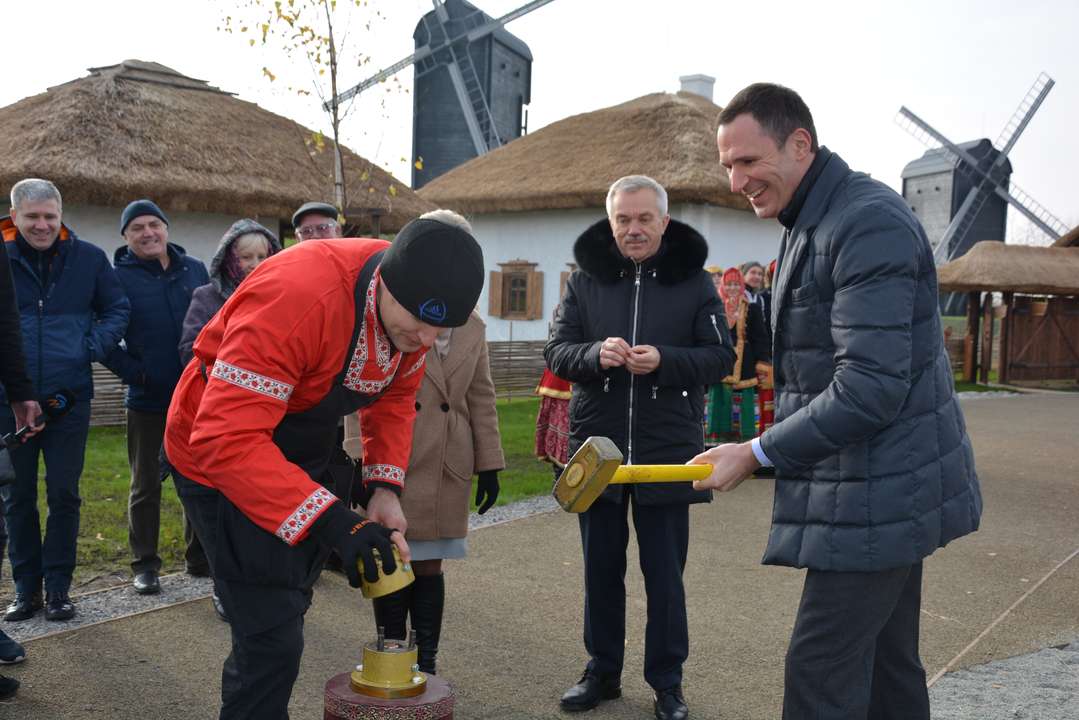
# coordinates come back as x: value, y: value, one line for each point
x: 138, y: 209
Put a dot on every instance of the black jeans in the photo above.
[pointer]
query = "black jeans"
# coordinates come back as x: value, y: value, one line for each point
x: 663, y: 540
x: 258, y: 675
x: 854, y: 651
x: 62, y: 445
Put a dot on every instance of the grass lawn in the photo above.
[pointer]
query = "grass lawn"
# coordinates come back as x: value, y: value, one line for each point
x: 106, y: 480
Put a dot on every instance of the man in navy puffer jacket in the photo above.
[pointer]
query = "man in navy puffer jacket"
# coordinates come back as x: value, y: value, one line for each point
x: 874, y: 469
x: 159, y: 278
x: 73, y: 313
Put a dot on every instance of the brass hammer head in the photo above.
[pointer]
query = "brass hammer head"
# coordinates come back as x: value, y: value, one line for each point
x: 587, y: 474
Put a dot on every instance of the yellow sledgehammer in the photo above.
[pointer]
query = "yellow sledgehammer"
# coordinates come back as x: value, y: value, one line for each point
x: 598, y: 463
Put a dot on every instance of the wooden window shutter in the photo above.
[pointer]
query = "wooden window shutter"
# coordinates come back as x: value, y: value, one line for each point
x: 535, y: 295
x: 494, y: 294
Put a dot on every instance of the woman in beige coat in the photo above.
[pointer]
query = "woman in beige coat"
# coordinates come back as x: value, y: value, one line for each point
x: 455, y: 437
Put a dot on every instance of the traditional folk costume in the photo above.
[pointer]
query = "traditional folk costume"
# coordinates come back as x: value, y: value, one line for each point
x: 766, y: 394
x: 552, y: 422
x: 253, y: 425
x: 731, y: 406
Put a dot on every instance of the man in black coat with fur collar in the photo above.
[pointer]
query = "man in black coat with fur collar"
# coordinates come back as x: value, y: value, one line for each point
x: 640, y: 333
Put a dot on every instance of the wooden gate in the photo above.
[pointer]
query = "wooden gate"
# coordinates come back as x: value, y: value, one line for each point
x: 1040, y: 339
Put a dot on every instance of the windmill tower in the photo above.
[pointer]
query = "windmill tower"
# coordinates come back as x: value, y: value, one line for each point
x: 961, y: 191
x: 473, y: 79
x: 469, y: 97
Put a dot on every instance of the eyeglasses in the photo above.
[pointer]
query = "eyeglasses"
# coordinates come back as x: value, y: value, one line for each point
x: 313, y: 231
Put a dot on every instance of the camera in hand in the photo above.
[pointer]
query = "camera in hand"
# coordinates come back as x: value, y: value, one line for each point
x: 53, y: 406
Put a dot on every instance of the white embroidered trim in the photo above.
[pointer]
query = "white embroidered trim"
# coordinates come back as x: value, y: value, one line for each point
x: 417, y: 366
x: 387, y: 473
x: 355, y: 366
x: 252, y: 381
x: 384, y: 358
x: 368, y: 387
x: 308, y: 510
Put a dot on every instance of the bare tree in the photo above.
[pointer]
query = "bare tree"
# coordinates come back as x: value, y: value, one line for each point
x: 317, y: 30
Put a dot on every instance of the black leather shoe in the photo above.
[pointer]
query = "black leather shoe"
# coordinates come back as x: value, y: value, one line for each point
x: 146, y: 583
x: 670, y: 704
x: 590, y: 692
x: 24, y: 606
x: 218, y: 607
x: 58, y: 606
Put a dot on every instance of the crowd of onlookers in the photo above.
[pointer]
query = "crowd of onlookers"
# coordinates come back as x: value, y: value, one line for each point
x: 66, y: 306
x: 742, y: 406
x: 653, y: 346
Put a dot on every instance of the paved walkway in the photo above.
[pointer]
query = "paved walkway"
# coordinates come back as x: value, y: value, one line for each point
x: 513, y: 623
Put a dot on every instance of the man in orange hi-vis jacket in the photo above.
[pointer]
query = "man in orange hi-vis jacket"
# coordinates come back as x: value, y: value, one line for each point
x: 324, y: 329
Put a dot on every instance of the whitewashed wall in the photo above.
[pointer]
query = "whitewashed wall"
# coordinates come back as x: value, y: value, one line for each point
x: 734, y: 236
x: 547, y: 237
x: 197, y: 233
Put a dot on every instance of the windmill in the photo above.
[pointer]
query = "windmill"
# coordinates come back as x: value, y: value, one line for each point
x: 446, y: 39
x: 988, y: 174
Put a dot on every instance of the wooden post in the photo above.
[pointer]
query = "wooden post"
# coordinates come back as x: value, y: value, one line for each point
x: 1005, y: 337
x: 987, y: 340
x: 970, y: 342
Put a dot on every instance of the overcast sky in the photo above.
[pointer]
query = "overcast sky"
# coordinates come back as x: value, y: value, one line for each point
x: 962, y: 65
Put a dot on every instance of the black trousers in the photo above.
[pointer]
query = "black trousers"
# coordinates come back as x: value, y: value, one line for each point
x: 663, y: 538
x: 854, y: 651
x: 266, y: 621
x: 145, y: 431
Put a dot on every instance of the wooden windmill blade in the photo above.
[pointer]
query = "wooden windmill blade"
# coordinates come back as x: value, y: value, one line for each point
x: 988, y: 180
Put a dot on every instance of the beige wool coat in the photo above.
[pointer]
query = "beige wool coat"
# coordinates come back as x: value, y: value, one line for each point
x: 455, y: 436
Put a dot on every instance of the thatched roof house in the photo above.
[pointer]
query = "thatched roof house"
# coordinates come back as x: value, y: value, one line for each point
x: 139, y: 129
x: 995, y: 267
x: 571, y: 163
x: 531, y: 198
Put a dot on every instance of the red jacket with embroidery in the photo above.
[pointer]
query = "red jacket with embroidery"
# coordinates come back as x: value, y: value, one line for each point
x: 276, y: 347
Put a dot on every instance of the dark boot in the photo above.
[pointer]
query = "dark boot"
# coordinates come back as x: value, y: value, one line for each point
x: 428, y: 599
x: 391, y: 611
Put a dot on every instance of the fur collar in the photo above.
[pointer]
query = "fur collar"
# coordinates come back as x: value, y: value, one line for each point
x: 681, y: 255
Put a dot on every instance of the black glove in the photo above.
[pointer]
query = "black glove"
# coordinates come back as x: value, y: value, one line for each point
x: 355, y: 539
x: 486, y: 490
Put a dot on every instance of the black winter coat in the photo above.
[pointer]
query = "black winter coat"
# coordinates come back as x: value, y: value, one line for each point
x: 668, y: 301
x: 874, y: 469
x: 13, y: 375
x: 149, y: 361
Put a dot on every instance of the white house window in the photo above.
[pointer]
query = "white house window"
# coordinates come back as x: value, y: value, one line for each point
x: 516, y: 291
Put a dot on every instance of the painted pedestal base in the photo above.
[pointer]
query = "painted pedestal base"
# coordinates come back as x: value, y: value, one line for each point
x: 341, y: 703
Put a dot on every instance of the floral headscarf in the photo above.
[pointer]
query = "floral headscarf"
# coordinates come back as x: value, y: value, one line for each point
x: 731, y: 300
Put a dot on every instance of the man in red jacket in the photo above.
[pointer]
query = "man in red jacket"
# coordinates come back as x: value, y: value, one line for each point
x: 324, y: 329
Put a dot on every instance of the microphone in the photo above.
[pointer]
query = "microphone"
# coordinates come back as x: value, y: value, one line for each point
x: 53, y: 406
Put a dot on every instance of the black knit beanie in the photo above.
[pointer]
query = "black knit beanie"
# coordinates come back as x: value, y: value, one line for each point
x: 138, y: 209
x: 435, y: 270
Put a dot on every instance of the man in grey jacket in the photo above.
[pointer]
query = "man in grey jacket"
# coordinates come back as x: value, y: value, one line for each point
x: 874, y: 469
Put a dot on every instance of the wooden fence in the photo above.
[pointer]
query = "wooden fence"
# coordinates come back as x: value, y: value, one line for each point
x: 107, y: 407
x: 516, y: 366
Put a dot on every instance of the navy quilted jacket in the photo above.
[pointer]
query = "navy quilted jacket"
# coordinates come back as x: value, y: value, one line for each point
x: 149, y: 360
x: 74, y: 319
x: 874, y: 467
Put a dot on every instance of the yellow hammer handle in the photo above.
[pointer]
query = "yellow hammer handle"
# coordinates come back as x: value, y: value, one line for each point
x: 659, y: 473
